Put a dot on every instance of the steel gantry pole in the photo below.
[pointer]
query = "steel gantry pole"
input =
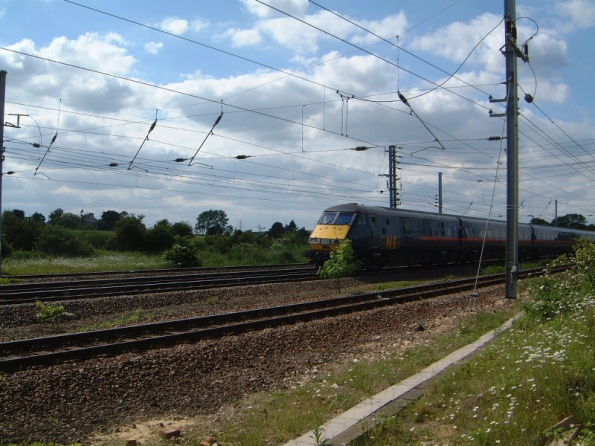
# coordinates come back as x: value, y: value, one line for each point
x: 2, y: 98
x: 512, y: 155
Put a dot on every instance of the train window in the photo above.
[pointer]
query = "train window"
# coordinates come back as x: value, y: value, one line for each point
x: 327, y: 218
x: 344, y: 218
x: 387, y: 222
x: 362, y: 219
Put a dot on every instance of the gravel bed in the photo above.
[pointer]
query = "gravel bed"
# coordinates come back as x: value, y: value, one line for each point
x: 72, y: 402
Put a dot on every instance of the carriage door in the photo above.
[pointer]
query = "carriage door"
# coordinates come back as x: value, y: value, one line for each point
x: 375, y: 231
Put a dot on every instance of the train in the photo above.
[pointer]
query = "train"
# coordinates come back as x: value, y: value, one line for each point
x: 383, y: 237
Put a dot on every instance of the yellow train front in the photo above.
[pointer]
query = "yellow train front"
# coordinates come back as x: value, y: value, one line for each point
x: 332, y: 228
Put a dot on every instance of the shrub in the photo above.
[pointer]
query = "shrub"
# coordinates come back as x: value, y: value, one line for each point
x: 50, y: 312
x: 159, y: 238
x: 341, y: 263
x: 131, y: 233
x: 182, y: 256
x: 63, y: 242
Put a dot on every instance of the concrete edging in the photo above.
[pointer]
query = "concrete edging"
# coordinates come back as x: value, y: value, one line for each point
x: 352, y: 424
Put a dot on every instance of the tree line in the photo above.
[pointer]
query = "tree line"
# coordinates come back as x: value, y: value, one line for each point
x: 68, y: 234
x: 573, y: 221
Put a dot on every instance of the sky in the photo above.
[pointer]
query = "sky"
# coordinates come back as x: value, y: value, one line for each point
x: 169, y: 109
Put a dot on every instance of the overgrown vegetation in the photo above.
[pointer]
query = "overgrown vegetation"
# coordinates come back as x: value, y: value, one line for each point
x: 49, y: 312
x: 341, y: 263
x: 65, y: 244
x: 515, y: 391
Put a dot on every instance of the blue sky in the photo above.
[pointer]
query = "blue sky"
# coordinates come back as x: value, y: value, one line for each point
x: 299, y: 84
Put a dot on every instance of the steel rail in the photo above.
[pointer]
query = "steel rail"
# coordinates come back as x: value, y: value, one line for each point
x: 25, y: 353
x: 54, y: 291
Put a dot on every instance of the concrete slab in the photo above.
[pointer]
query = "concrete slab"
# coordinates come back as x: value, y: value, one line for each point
x: 366, y: 415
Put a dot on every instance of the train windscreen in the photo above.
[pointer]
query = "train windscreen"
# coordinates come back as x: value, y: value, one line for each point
x: 336, y: 218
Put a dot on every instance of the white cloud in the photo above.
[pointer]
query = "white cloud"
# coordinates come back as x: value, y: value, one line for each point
x: 175, y: 25
x: 197, y: 25
x: 244, y: 37
x: 153, y: 47
x: 293, y: 7
x: 457, y: 40
x: 581, y: 12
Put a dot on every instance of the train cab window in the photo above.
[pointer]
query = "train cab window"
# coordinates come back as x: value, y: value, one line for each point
x: 344, y: 218
x: 327, y: 218
x: 362, y: 219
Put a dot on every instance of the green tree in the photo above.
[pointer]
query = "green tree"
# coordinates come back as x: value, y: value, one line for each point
x: 574, y: 221
x: 55, y: 216
x: 539, y: 221
x: 20, y: 233
x: 39, y: 218
x: 211, y: 222
x: 160, y: 237
x: 291, y: 227
x: 277, y: 230
x: 109, y: 219
x: 182, y: 229
x: 130, y: 233
x: 19, y: 214
x: 69, y: 221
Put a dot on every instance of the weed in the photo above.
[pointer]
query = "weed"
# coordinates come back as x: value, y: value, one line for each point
x: 319, y: 440
x: 51, y: 312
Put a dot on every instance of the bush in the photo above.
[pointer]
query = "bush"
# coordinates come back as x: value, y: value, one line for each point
x: 20, y: 233
x: 50, y: 312
x: 159, y: 238
x: 131, y: 233
x: 341, y: 263
x: 97, y: 239
x: 63, y: 242
x: 182, y: 256
x: 562, y: 295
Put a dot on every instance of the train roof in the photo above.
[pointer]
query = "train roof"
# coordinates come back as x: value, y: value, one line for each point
x: 354, y: 207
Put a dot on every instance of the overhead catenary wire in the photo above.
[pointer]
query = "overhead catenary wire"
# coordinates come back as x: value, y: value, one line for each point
x: 211, y: 133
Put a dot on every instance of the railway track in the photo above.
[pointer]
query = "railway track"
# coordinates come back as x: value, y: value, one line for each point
x: 12, y: 294
x: 15, y: 355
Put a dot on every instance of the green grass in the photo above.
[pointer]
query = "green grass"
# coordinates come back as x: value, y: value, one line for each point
x: 540, y: 371
x: 107, y: 261
x: 278, y: 416
x: 35, y: 263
